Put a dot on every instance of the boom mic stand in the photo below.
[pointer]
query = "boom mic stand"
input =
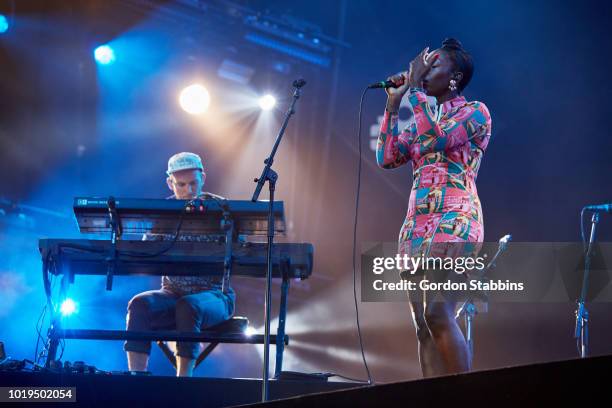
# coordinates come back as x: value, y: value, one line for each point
x: 581, y: 332
x: 271, y: 176
x: 468, y: 309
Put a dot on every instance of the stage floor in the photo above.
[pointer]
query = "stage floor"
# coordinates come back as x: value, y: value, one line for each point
x: 104, y: 390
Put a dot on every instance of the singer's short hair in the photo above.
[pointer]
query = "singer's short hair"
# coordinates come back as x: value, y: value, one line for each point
x: 461, y: 59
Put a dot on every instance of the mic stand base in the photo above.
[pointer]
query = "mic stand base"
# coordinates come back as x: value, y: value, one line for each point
x: 272, y: 177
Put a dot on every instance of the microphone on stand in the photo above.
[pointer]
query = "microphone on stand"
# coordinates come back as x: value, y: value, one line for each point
x: 599, y: 208
x: 298, y: 83
x: 503, y: 241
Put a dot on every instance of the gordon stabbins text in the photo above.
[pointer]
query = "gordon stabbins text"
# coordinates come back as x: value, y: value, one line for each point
x: 471, y: 285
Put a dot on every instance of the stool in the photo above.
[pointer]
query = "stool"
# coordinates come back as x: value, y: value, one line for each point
x: 237, y: 324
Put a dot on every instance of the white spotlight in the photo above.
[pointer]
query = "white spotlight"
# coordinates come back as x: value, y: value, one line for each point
x: 267, y: 102
x: 194, y: 99
x: 249, y: 331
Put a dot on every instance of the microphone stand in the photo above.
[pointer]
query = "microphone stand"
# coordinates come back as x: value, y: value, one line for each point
x: 271, y: 177
x: 469, y: 308
x: 581, y: 332
x: 116, y: 231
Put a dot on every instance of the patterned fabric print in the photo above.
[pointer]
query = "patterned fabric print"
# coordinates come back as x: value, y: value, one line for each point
x: 445, y: 156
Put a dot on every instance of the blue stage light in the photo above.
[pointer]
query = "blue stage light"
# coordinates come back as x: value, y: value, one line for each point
x: 68, y: 307
x: 104, y: 54
x: 313, y: 58
x: 4, y: 24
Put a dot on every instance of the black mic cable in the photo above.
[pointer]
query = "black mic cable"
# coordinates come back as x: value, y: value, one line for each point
x: 365, y: 363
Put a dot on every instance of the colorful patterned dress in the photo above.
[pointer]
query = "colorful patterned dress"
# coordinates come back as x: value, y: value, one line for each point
x: 445, y: 150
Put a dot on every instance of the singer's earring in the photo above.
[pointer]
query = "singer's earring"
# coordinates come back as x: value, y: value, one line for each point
x: 452, y: 85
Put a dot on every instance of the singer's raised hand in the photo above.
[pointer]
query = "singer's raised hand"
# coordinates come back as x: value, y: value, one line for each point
x: 395, y: 94
x: 419, y: 67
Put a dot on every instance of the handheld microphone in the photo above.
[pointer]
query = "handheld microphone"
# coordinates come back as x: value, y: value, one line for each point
x: 599, y: 208
x: 385, y: 84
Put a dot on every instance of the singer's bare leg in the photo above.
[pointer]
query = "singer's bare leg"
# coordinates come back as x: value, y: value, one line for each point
x: 429, y: 358
x: 447, y: 336
x: 137, y: 361
x: 184, y: 366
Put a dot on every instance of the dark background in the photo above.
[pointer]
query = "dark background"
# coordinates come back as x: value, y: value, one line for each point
x: 69, y: 127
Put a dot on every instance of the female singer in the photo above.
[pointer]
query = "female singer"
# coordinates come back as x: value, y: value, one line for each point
x: 445, y: 148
